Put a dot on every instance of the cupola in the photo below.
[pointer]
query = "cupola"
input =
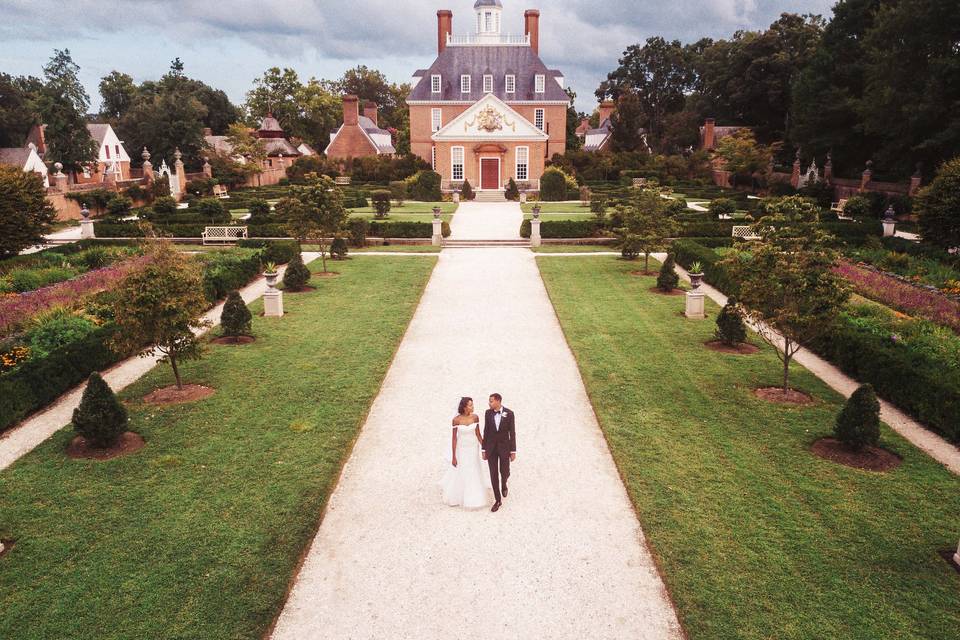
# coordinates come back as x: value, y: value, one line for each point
x: 488, y: 17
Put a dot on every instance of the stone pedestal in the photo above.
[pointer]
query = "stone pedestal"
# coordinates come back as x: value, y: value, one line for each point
x: 695, y: 305
x: 535, y: 239
x: 273, y: 303
x: 437, y: 232
x: 523, y: 198
x: 86, y: 230
x: 456, y: 197
x: 889, y: 229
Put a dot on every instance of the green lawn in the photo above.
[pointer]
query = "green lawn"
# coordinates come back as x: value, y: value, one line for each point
x: 756, y: 538
x: 197, y: 535
x: 401, y: 248
x: 411, y: 211
x: 573, y: 248
x: 557, y: 207
x: 556, y: 217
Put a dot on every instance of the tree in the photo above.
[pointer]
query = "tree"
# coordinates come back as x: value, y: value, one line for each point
x: 744, y: 157
x: 722, y: 207
x: 667, y: 279
x: 626, y: 123
x: 117, y: 92
x: 100, y: 418
x: 315, y: 209
x: 63, y: 104
x: 574, y: 143
x: 160, y: 304
x: 858, y: 424
x: 309, y: 111
x: 17, y: 108
x: 466, y: 191
x: 512, y: 191
x: 236, y: 317
x: 381, y: 202
x: 937, y: 207
x: 25, y: 213
x: 646, y: 225
x: 788, y: 286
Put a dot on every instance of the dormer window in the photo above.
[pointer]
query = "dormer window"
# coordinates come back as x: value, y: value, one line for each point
x: 464, y: 84
x: 435, y: 83
x: 540, y: 83
x: 511, y: 83
x: 488, y: 84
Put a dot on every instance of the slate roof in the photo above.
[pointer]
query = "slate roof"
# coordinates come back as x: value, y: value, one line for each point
x: 603, y: 130
x: 381, y: 138
x: 15, y: 156
x: 98, y: 132
x: 487, y: 3
x: 498, y: 61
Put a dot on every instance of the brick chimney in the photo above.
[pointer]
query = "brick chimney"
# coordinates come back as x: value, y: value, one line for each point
x: 531, y: 23
x: 607, y: 107
x: 370, y: 111
x: 444, y: 28
x: 709, y: 133
x: 207, y: 131
x: 351, y: 111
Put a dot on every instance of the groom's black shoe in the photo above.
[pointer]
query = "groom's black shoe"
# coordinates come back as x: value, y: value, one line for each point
x: 504, y: 492
x: 495, y: 507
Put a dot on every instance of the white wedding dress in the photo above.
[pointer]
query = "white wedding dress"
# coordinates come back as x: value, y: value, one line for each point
x: 465, y: 485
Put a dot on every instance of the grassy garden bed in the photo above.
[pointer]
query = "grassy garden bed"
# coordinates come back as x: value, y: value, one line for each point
x: 756, y: 537
x: 197, y: 535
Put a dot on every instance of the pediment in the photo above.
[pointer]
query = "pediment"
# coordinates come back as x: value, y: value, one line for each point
x: 490, y: 119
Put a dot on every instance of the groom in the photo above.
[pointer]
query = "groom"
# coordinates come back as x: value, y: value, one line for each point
x: 499, y: 445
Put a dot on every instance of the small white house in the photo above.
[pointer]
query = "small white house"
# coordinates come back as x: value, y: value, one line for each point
x: 25, y: 159
x: 111, y: 155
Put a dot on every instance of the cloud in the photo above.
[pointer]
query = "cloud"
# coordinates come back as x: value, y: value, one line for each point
x: 583, y: 38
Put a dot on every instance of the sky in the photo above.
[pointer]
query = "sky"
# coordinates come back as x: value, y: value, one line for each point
x: 228, y: 44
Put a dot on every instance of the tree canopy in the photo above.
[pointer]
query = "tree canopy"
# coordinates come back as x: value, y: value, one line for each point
x: 25, y: 214
x: 62, y: 105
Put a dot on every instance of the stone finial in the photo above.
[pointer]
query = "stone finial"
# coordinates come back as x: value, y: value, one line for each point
x: 797, y: 155
x: 869, y: 165
x: 145, y: 155
x: 58, y: 168
x: 829, y: 162
x: 85, y: 212
x: 890, y: 214
x: 176, y: 154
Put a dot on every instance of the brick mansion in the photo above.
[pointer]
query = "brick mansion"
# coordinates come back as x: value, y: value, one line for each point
x: 488, y: 109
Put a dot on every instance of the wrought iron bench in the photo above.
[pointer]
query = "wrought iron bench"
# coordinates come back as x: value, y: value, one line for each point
x: 224, y: 235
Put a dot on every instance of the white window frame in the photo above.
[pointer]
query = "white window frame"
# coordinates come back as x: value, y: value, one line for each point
x: 436, y: 119
x: 540, y: 119
x: 433, y: 157
x: 488, y: 83
x: 488, y: 22
x: 454, y: 165
x: 540, y: 83
x: 510, y: 83
x: 522, y: 169
x: 435, y: 83
x: 465, y: 83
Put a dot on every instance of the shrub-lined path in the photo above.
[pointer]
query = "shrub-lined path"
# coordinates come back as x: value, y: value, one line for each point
x: 564, y: 558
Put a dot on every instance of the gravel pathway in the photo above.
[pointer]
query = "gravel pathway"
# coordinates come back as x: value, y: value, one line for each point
x: 564, y: 558
x: 30, y: 433
x: 487, y: 221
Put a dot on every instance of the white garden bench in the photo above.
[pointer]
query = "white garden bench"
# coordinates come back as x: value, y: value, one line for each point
x: 224, y: 235
x: 342, y: 181
x: 744, y: 233
x: 220, y: 191
x: 837, y: 207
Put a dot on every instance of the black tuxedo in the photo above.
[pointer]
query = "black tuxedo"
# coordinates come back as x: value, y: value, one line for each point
x: 498, y: 444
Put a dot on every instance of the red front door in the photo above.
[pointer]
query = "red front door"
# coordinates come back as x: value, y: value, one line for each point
x: 489, y: 173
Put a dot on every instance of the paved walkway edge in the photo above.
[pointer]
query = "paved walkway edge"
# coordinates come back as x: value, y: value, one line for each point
x: 34, y: 430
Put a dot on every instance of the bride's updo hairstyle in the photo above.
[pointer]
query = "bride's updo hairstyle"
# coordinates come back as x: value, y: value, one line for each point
x: 463, y: 405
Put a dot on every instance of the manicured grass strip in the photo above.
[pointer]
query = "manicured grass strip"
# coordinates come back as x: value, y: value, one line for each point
x: 556, y: 207
x: 576, y: 248
x: 551, y: 217
x: 756, y: 537
x: 197, y: 535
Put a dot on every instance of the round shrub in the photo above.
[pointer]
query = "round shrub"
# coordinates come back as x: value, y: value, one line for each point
x: 259, y: 210
x: 466, y: 191
x: 338, y: 248
x: 100, y: 418
x: 381, y: 202
x: 119, y: 206
x: 722, y: 207
x: 211, y: 209
x: 857, y: 207
x: 858, y: 424
x: 164, y: 206
x: 297, y: 275
x: 398, y: 189
x: 236, y: 317
x: 57, y: 328
x: 358, y: 229
x: 631, y: 247
x: 512, y: 192
x: 668, y: 279
x: 598, y: 206
x: 425, y: 186
x: 553, y: 185
x: 731, y: 329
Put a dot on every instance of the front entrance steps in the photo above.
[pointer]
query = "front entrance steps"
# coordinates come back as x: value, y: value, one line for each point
x: 490, y: 196
x: 485, y: 244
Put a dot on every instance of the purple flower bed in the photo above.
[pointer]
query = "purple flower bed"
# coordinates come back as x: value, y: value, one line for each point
x: 17, y: 309
x: 901, y: 296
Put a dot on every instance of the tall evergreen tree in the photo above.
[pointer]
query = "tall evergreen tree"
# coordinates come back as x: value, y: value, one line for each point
x: 63, y: 105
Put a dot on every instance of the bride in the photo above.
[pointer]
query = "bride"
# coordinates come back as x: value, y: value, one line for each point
x: 463, y: 483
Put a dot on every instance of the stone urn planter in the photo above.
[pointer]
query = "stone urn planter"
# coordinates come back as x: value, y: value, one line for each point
x: 536, y: 212
x: 436, y: 213
x: 696, y: 275
x: 271, y: 275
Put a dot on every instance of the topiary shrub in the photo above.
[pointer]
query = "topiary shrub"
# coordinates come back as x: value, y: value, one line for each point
x: 668, y: 279
x: 297, y: 275
x: 259, y: 210
x: 858, y: 424
x: 722, y: 207
x: 164, y: 206
x: 425, y: 186
x: 358, y: 229
x: 119, y: 206
x: 236, y: 317
x: 857, y: 207
x: 512, y: 192
x: 338, y: 248
x: 398, y: 189
x: 381, y: 202
x: 100, y: 418
x: 553, y: 185
x: 731, y: 329
x: 598, y: 206
x: 210, y: 209
x: 466, y: 191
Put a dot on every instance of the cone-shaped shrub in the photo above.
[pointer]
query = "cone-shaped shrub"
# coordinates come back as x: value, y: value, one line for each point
x: 668, y: 279
x: 297, y: 275
x: 338, y: 248
x: 466, y: 191
x: 858, y: 424
x: 512, y: 192
x: 100, y: 418
x: 731, y: 329
x: 236, y: 317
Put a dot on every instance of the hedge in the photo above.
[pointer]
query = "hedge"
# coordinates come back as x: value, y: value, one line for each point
x: 686, y: 252
x: 405, y: 229
x: 37, y: 383
x: 387, y: 229
x: 226, y: 272
x: 564, y: 229
x: 276, y: 251
x: 905, y: 377
x: 707, y: 229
